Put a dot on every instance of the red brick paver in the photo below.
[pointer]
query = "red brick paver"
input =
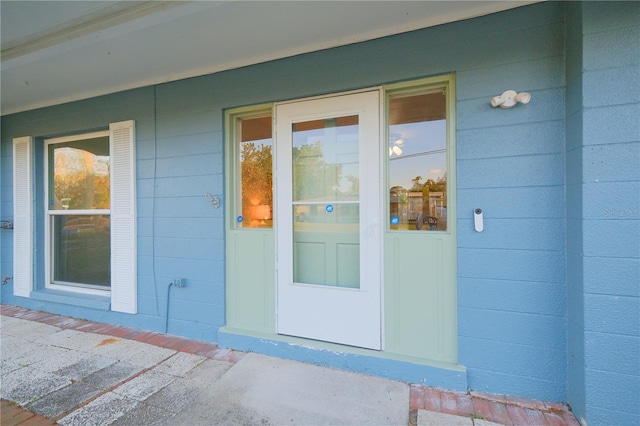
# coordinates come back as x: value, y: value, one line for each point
x: 12, y: 414
x: 492, y: 411
x: 526, y: 416
x: 449, y: 403
x: 502, y: 409
x: 556, y: 419
x: 465, y: 405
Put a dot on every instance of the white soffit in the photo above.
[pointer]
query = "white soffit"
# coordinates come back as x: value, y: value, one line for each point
x: 55, y: 52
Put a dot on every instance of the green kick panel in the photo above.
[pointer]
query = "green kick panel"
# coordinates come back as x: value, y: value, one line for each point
x: 251, y: 284
x: 420, y: 295
x: 331, y: 258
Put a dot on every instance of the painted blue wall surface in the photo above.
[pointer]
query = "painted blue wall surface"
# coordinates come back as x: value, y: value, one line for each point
x: 511, y: 277
x: 573, y: 158
x: 545, y: 293
x: 603, y: 211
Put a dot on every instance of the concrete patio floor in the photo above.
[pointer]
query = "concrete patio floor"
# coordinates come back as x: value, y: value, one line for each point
x: 76, y: 372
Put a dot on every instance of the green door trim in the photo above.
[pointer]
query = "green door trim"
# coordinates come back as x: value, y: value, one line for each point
x: 250, y: 289
x: 251, y: 300
x: 420, y: 310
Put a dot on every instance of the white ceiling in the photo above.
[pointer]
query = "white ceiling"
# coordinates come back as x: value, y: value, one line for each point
x: 58, y: 51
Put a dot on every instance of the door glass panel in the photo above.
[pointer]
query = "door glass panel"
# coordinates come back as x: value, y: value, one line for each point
x: 418, y: 162
x: 326, y: 211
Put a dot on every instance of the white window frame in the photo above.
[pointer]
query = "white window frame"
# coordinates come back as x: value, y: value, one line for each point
x: 49, y: 215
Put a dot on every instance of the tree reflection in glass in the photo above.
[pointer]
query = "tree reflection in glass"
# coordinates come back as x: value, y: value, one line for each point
x: 256, y: 183
x: 418, y: 161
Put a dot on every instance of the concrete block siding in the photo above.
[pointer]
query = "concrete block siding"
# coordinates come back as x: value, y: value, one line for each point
x: 557, y: 180
x: 611, y: 83
x: 603, y: 225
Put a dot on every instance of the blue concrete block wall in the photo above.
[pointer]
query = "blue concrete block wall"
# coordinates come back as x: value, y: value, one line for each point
x: 517, y: 280
x: 574, y: 260
x: 187, y: 235
x: 611, y: 215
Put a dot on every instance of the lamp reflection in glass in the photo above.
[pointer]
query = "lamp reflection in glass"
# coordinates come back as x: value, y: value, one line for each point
x: 395, y: 144
x: 259, y: 214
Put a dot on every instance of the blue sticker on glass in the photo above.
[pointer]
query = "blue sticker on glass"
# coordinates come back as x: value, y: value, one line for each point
x: 395, y: 220
x: 50, y: 202
x: 329, y: 208
x: 240, y: 219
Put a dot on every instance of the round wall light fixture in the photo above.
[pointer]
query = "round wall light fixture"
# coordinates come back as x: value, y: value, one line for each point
x: 510, y: 98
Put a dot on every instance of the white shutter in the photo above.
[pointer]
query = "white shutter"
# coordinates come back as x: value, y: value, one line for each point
x: 124, y: 289
x: 22, y: 217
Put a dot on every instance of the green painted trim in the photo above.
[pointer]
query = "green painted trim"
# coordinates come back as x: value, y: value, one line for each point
x: 250, y: 291
x: 422, y: 337
x: 420, y: 303
x: 430, y: 83
x: 231, y: 170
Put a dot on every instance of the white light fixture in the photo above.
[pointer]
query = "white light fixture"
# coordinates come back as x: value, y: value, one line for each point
x: 510, y: 98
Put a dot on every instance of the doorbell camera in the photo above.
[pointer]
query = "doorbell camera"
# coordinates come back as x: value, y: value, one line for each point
x: 478, y: 220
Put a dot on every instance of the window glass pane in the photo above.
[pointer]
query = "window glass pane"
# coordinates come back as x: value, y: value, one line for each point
x: 256, y: 182
x: 418, y: 162
x: 79, y: 175
x: 81, y: 250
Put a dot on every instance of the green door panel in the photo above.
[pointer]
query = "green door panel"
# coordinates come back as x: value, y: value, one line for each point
x: 251, y: 273
x: 420, y: 296
x: 330, y: 259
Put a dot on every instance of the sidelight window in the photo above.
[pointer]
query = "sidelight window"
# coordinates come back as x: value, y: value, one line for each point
x: 417, y: 155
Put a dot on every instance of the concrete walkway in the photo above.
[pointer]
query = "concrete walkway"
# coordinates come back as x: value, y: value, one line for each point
x: 75, y: 372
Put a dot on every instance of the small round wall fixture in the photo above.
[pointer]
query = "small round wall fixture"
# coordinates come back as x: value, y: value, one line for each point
x: 510, y: 98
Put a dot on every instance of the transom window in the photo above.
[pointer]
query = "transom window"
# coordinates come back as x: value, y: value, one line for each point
x: 78, y: 213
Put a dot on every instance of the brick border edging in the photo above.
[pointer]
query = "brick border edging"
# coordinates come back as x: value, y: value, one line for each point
x: 180, y: 344
x: 13, y: 414
x: 503, y: 409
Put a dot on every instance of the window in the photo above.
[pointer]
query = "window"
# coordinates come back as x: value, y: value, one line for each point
x: 417, y: 126
x: 89, y: 215
x: 78, y: 216
x: 254, y: 148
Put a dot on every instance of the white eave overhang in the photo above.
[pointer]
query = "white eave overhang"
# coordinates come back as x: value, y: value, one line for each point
x: 55, y: 52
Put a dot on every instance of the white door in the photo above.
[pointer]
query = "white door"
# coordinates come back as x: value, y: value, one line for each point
x: 328, y: 219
